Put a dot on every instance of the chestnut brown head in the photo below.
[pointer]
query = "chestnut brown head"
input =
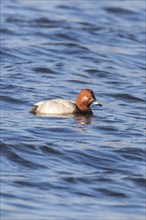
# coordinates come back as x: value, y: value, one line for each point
x: 85, y: 98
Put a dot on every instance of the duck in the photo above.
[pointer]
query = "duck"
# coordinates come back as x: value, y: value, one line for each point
x: 81, y: 106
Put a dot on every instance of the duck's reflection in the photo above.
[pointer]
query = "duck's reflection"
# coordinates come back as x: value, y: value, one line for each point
x: 80, y: 119
x: 83, y: 119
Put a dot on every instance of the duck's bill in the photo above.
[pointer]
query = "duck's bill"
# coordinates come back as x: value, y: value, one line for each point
x: 97, y: 103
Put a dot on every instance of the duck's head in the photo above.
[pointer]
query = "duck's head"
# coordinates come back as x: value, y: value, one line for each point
x: 84, y: 99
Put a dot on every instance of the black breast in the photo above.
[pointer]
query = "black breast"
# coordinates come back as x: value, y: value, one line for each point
x: 77, y: 111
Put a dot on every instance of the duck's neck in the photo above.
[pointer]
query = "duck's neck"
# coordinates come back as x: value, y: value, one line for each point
x: 77, y: 111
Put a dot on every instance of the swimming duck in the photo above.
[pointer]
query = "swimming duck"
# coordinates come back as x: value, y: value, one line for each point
x: 81, y: 106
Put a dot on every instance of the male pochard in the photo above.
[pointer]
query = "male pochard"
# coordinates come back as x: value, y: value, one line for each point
x: 81, y: 106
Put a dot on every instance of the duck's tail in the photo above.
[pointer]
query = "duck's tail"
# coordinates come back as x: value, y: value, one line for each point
x: 34, y: 109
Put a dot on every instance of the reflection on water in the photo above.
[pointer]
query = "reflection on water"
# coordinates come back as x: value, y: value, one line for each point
x: 83, y: 119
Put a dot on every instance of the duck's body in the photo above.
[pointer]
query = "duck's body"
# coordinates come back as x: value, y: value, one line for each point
x: 54, y: 106
x: 60, y: 106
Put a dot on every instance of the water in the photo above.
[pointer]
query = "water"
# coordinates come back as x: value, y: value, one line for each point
x: 76, y: 167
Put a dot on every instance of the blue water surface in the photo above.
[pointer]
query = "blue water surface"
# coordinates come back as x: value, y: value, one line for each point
x: 73, y: 168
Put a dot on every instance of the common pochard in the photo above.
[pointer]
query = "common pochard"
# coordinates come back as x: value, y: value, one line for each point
x: 81, y: 106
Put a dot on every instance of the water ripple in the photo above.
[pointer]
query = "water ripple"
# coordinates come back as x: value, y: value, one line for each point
x: 81, y: 166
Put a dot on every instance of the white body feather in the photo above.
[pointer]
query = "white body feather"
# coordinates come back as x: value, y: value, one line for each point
x: 55, y: 106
